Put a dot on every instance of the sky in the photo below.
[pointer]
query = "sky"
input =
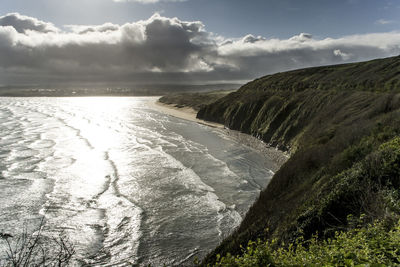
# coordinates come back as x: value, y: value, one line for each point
x: 187, y: 41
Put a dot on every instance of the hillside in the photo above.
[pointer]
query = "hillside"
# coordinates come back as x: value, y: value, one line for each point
x: 193, y: 100
x: 341, y: 125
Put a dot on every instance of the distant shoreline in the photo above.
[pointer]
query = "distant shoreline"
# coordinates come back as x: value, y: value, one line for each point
x: 132, y: 90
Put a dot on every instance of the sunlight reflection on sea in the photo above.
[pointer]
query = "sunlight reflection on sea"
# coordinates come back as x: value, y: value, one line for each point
x: 127, y: 184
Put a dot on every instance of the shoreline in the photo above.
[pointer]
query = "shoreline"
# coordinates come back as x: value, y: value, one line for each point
x: 185, y: 113
x: 276, y: 156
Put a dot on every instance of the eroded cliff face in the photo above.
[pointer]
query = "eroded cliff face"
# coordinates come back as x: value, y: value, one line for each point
x: 333, y: 120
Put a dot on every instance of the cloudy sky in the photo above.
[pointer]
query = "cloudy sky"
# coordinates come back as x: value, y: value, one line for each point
x: 187, y: 41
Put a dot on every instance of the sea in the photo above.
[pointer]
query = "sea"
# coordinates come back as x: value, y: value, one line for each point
x: 125, y: 184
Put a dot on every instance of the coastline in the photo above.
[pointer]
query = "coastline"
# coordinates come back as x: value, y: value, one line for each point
x: 185, y: 113
x: 277, y: 157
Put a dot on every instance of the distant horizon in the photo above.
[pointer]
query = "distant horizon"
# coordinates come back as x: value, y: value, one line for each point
x: 133, y: 85
x: 92, y: 85
x: 111, y: 90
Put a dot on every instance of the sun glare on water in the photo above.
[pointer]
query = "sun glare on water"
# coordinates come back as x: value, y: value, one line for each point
x: 100, y: 119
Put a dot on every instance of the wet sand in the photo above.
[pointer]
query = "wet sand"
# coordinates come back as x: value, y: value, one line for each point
x: 277, y: 157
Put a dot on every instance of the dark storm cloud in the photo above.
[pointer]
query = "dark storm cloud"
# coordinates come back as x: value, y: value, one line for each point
x: 164, y: 50
x: 156, y: 45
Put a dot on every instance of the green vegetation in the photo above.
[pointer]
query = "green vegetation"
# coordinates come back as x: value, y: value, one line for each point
x: 341, y: 125
x: 373, y: 245
x: 193, y: 100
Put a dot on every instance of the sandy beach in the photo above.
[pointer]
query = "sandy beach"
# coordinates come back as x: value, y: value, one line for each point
x: 185, y: 113
x: 277, y: 157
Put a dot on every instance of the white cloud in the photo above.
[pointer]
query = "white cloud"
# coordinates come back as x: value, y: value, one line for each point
x: 166, y: 50
x: 82, y: 29
x: 273, y: 55
x: 302, y: 37
x: 252, y: 39
x: 384, y: 21
x: 24, y: 23
x: 343, y: 55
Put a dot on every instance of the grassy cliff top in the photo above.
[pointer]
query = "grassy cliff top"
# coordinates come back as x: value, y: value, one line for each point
x: 193, y: 100
x: 381, y: 75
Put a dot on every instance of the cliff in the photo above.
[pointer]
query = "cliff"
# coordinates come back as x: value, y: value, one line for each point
x: 193, y: 100
x: 340, y: 124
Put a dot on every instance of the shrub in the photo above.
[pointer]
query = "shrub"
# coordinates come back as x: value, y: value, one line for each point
x: 34, y: 249
x: 373, y: 245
